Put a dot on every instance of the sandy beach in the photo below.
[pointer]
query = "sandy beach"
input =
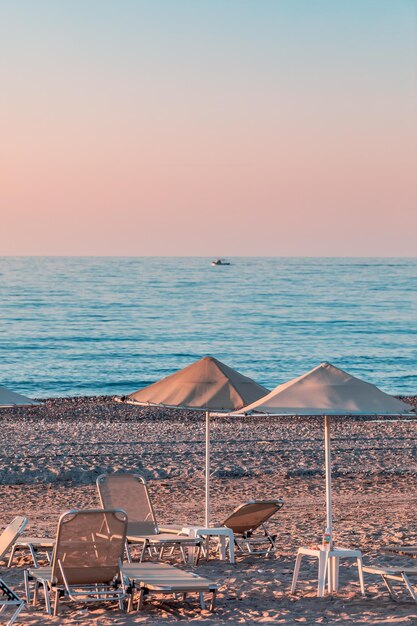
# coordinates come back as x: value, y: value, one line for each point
x: 51, y: 455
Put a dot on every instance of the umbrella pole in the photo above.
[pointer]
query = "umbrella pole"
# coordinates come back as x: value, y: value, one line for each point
x: 328, y: 476
x: 207, y: 520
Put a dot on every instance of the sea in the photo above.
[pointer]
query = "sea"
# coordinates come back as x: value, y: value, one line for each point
x: 82, y: 326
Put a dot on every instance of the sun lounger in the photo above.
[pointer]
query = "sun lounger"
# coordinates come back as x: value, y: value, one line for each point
x: 8, y: 598
x: 410, y: 551
x: 130, y: 493
x: 87, y: 560
x: 395, y: 573
x: 11, y: 534
x: 160, y: 578
x: 248, y: 518
x: 33, y: 545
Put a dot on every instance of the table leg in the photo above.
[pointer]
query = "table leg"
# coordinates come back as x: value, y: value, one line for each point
x: 336, y: 574
x: 222, y: 540
x: 360, y: 572
x: 231, y: 546
x: 296, y: 571
x: 191, y: 550
x: 323, y: 558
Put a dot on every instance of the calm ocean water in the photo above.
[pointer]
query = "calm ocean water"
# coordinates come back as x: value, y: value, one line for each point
x: 84, y: 326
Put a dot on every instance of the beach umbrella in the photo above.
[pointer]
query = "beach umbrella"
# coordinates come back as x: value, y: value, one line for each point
x: 10, y: 398
x: 206, y: 385
x: 326, y: 391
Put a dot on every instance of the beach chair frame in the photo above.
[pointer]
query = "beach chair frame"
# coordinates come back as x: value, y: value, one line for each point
x: 9, y: 598
x: 246, y: 539
x: 395, y: 574
x: 55, y: 579
x: 161, y: 578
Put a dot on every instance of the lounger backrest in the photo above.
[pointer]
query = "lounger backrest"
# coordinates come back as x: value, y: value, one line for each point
x: 248, y: 517
x: 90, y: 546
x: 130, y: 493
x: 11, y: 533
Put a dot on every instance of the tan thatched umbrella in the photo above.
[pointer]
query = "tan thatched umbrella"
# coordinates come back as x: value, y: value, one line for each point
x: 327, y: 390
x: 206, y: 385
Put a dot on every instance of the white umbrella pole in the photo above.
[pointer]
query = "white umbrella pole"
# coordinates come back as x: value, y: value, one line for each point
x: 328, y: 476
x: 207, y: 470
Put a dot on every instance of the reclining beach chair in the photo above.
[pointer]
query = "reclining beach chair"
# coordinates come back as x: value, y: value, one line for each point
x: 11, y: 534
x: 395, y: 573
x: 161, y: 578
x: 246, y: 519
x: 87, y: 560
x: 8, y: 598
x: 130, y: 493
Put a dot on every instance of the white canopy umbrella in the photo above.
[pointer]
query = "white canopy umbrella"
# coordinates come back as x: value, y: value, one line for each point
x: 327, y: 390
x: 206, y: 385
x: 10, y: 398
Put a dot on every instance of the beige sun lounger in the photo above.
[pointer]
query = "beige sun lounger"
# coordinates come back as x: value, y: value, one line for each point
x: 248, y: 518
x: 87, y: 559
x: 7, y: 539
x: 395, y: 573
x: 161, y: 578
x: 11, y: 533
x: 130, y: 493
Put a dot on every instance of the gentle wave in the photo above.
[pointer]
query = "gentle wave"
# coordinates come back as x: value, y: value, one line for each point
x: 87, y: 326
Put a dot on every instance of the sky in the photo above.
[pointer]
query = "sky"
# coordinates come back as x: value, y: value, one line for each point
x: 208, y: 127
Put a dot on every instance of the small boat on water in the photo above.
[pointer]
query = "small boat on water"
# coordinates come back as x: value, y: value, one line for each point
x: 220, y: 262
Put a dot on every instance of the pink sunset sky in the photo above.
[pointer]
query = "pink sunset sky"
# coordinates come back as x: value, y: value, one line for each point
x: 209, y: 128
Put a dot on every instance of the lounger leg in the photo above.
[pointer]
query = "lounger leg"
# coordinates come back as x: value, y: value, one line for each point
x: 361, y: 580
x: 26, y: 582
x: 202, y: 603
x: 10, y: 561
x: 184, y: 556
x: 296, y: 572
x: 390, y: 589
x: 129, y: 601
x: 47, y: 599
x: 409, y: 586
x: 15, y: 614
x: 35, y: 593
x: 213, y: 601
x: 56, y: 603
x: 197, y: 554
x: 33, y: 554
x: 141, y: 598
x: 145, y: 545
x: 161, y: 553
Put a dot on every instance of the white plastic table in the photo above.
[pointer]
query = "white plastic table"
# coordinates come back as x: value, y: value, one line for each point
x: 225, y: 536
x: 221, y: 532
x: 328, y: 563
